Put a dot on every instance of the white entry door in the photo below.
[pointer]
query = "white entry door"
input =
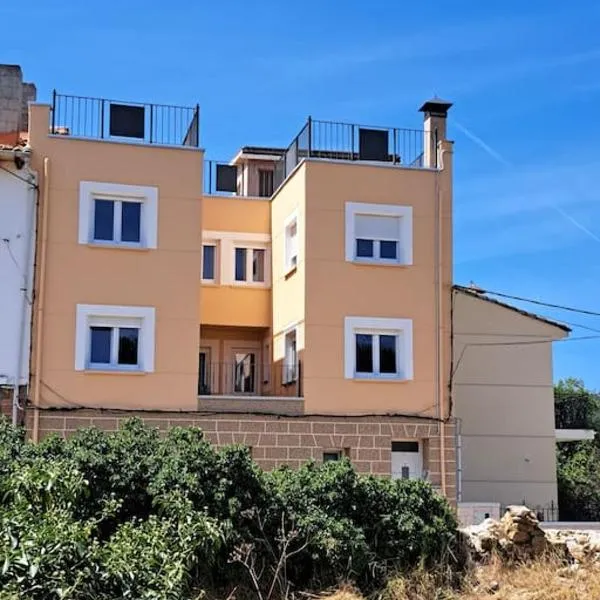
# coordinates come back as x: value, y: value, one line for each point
x: 407, y: 460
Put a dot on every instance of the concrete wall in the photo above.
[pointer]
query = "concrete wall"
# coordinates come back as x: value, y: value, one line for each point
x: 165, y: 278
x: 17, y: 231
x: 503, y: 394
x: 336, y: 288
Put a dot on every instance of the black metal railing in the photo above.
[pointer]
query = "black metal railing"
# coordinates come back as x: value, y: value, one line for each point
x: 223, y: 178
x: 100, y: 118
x: 347, y: 141
x: 547, y: 512
x: 247, y: 378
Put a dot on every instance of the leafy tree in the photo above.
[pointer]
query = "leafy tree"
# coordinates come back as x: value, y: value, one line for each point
x: 578, y: 463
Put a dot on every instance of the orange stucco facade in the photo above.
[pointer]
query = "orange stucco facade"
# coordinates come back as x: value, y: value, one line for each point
x: 223, y: 336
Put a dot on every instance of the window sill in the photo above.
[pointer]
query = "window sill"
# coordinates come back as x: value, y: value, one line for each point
x: 379, y: 379
x: 373, y: 262
x: 253, y: 285
x: 118, y: 247
x: 209, y: 282
x: 89, y: 371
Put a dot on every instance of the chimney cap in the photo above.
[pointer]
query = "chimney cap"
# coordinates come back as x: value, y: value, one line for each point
x: 436, y: 106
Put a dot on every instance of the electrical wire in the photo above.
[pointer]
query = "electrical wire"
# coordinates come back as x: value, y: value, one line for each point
x: 530, y: 300
x: 34, y: 185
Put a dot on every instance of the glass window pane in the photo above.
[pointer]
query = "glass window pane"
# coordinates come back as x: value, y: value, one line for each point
x: 240, y: 264
x: 244, y: 367
x: 130, y: 221
x: 331, y: 456
x: 128, y: 345
x: 258, y: 265
x: 100, y: 345
x: 208, y: 262
x: 203, y: 373
x: 364, y: 353
x: 387, y: 353
x: 388, y: 249
x: 364, y: 248
x: 104, y: 218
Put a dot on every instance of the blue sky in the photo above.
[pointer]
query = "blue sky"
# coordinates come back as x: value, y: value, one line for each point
x: 524, y: 77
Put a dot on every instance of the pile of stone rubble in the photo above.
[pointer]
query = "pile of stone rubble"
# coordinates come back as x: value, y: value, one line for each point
x: 518, y: 535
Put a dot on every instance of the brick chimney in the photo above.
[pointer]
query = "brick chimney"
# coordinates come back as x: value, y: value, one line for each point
x: 435, y: 113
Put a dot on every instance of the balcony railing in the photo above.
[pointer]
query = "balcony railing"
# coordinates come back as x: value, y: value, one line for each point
x: 247, y: 379
x: 99, y: 118
x: 346, y: 141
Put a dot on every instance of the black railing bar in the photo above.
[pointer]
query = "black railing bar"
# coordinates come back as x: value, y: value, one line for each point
x: 130, y: 102
x: 382, y: 127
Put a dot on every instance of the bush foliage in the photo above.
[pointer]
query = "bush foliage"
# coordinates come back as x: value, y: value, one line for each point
x: 135, y: 515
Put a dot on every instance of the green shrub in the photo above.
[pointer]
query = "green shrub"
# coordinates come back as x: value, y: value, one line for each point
x: 132, y: 514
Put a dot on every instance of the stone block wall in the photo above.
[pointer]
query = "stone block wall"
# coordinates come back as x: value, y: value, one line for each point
x: 14, y: 98
x: 286, y: 440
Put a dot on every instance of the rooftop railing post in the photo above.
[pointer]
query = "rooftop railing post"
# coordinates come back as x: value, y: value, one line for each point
x: 197, y: 117
x: 102, y: 118
x: 395, y: 145
x: 352, y: 144
x: 309, y: 135
x: 53, y: 111
x: 151, y: 121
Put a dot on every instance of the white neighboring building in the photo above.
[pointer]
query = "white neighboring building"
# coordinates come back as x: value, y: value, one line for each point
x: 18, y: 196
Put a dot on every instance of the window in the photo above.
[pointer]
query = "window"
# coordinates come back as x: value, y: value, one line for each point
x: 118, y: 215
x: 378, y: 348
x: 113, y: 347
x: 204, y: 368
x: 265, y: 183
x: 238, y: 258
x: 117, y: 338
x: 407, y: 460
x: 244, y: 373
x: 290, y: 363
x: 331, y: 456
x: 208, y: 262
x: 291, y: 243
x: 378, y: 233
x: 250, y: 265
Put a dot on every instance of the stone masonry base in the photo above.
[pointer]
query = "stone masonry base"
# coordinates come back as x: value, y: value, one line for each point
x: 290, y: 440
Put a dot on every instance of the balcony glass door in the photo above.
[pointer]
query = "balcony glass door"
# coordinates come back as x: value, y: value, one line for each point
x: 244, y: 372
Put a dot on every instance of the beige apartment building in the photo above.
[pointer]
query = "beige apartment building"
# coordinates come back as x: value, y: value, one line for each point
x: 297, y: 300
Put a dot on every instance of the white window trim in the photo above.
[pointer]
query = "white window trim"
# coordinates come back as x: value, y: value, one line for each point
x: 227, y: 242
x: 146, y: 195
x: 405, y: 242
x: 115, y: 316
x: 287, y: 258
x: 403, y: 328
x: 216, y: 270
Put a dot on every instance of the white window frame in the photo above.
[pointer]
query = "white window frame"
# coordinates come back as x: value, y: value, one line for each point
x: 227, y: 242
x: 291, y: 259
x: 215, y: 245
x: 405, y: 242
x: 147, y: 196
x: 250, y: 248
x: 115, y: 325
x: 401, y: 328
x: 101, y: 315
x: 290, y: 364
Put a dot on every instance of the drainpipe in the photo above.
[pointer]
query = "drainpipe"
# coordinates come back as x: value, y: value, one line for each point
x: 439, y: 354
x: 435, y: 112
x: 45, y: 206
x: 26, y: 300
x: 458, y: 458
